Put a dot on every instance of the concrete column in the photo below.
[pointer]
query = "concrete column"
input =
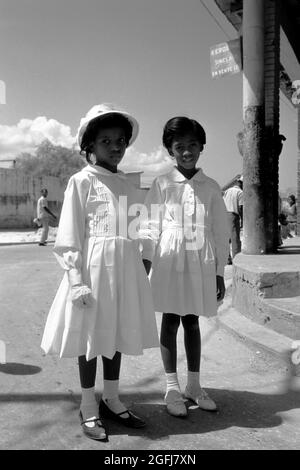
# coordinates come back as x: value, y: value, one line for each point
x: 272, y: 83
x: 298, y: 185
x: 254, y: 118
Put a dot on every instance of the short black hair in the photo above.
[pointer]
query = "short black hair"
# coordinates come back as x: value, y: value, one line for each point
x: 292, y: 197
x: 103, y: 122
x: 180, y: 126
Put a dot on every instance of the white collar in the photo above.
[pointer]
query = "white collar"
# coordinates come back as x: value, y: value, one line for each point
x: 178, y: 177
x: 96, y: 170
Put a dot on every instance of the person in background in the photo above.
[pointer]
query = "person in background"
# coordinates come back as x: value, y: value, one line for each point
x: 284, y: 231
x: 233, y: 199
x: 292, y: 214
x: 43, y: 213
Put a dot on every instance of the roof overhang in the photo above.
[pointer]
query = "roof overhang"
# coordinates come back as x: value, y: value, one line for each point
x: 289, y: 37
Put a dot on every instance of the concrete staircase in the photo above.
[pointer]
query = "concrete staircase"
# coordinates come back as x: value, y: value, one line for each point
x: 263, y: 305
x: 266, y: 289
x: 283, y: 315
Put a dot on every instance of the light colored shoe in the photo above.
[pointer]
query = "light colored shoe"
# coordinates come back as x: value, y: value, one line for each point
x: 175, y: 404
x: 202, y: 399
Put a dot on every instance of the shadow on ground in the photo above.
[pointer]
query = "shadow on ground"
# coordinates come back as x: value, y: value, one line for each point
x: 241, y: 409
x: 14, y: 368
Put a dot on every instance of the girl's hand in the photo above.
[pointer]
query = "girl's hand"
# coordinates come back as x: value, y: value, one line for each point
x: 220, y: 288
x: 147, y: 265
x: 81, y: 296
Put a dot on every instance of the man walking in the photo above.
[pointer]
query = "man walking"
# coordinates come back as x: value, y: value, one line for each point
x: 43, y: 213
x: 233, y: 199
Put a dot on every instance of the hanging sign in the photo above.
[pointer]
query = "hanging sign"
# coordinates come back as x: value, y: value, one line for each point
x: 226, y: 58
x: 2, y: 92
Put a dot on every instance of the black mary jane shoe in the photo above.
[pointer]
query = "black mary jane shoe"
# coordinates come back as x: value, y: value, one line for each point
x: 131, y: 421
x: 96, y: 432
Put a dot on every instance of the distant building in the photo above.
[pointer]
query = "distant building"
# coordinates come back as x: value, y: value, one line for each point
x: 135, y: 178
x: 7, y: 163
x: 141, y: 180
x: 146, y: 181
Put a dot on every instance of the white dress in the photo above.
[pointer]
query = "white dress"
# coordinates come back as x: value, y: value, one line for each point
x: 188, y: 242
x: 93, y: 247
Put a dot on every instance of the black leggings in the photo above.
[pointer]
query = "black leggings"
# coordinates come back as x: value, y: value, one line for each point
x: 88, y: 369
x: 168, y: 341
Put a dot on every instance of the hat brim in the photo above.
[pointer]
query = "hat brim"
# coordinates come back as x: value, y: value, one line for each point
x: 84, y: 125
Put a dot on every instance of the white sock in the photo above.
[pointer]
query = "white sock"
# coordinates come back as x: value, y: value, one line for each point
x: 193, y: 381
x: 111, y: 397
x: 172, y: 382
x: 89, y: 405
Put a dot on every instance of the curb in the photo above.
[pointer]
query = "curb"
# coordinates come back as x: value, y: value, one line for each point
x: 252, y: 333
x: 23, y: 243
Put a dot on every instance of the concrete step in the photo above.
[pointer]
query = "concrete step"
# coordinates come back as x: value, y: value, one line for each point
x: 282, y: 315
x: 254, y: 334
x: 262, y: 306
x: 263, y: 339
x: 266, y: 289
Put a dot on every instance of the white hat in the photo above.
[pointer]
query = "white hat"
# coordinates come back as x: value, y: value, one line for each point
x: 100, y: 110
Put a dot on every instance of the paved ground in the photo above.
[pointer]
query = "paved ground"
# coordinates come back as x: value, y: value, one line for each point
x: 40, y: 395
x: 9, y: 236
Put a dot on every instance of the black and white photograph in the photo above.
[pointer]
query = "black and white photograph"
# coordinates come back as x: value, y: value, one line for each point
x: 150, y: 228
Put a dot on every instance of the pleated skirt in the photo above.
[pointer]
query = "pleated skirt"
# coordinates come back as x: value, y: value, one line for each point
x: 122, y: 316
x: 183, y: 280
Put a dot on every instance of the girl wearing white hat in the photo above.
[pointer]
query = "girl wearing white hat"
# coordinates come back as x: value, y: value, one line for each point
x: 104, y: 303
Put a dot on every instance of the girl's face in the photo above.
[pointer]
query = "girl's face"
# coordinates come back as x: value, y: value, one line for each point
x: 186, y: 150
x: 109, y: 147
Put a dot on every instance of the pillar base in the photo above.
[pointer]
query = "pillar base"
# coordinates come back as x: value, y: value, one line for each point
x: 266, y: 289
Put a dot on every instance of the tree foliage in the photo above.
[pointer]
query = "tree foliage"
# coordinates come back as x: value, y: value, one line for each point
x: 51, y: 160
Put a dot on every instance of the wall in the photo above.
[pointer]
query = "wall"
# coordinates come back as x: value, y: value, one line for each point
x: 9, y: 163
x: 19, y: 194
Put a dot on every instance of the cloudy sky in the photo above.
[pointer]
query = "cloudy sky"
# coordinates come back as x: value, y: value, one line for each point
x: 61, y: 57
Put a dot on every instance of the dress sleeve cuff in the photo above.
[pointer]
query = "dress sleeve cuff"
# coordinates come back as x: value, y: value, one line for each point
x: 220, y: 271
x: 75, y: 277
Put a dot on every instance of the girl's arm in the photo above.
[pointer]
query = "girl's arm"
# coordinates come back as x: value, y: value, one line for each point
x: 150, y: 230
x: 220, y: 231
x: 70, y: 236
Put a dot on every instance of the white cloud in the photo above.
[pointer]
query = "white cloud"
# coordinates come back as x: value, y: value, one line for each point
x: 28, y: 134
x: 156, y: 162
